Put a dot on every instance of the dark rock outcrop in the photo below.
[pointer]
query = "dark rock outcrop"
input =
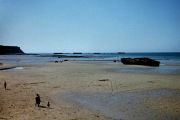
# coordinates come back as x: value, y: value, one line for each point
x: 140, y: 61
x: 10, y: 50
x: 77, y: 53
x: 120, y: 52
x: 58, y: 53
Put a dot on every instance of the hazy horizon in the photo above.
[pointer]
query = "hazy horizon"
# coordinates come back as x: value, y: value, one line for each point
x: 87, y: 26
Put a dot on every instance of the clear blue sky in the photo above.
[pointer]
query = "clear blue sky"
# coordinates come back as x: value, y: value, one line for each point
x: 91, y: 25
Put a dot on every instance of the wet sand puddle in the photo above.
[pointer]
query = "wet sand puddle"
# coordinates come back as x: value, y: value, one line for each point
x: 121, y: 105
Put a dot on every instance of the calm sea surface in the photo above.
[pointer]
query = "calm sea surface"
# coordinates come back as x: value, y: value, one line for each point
x: 170, y: 62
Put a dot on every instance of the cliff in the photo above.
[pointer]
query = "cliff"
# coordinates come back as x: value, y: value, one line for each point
x: 10, y: 50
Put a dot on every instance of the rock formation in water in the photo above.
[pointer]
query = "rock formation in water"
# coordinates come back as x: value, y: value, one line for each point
x: 10, y: 50
x: 140, y: 61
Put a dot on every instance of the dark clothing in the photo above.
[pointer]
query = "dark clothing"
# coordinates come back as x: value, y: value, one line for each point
x: 48, y: 104
x: 5, y: 85
x: 38, y: 100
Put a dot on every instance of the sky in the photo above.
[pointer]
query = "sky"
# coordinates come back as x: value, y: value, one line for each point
x: 91, y: 25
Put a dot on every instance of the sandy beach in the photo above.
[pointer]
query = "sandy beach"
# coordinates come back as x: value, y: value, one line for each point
x: 88, y: 91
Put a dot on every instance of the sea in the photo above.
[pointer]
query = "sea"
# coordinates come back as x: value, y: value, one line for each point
x: 169, y: 61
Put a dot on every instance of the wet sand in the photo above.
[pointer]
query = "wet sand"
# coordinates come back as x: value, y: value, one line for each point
x: 79, y: 91
x: 126, y: 105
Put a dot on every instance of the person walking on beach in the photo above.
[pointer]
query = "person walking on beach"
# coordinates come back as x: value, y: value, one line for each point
x: 38, y: 100
x: 48, y: 104
x: 5, y: 85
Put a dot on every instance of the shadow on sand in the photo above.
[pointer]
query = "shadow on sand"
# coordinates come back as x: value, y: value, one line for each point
x: 42, y: 106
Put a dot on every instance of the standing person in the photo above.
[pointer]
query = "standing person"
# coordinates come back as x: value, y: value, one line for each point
x: 38, y: 100
x: 48, y: 104
x: 5, y: 85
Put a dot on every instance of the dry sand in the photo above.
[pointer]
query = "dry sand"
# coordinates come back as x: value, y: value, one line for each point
x: 55, y: 79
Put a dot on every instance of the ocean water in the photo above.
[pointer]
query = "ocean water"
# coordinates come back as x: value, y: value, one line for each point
x: 170, y: 62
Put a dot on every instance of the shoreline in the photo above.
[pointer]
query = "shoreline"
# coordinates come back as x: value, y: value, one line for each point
x: 50, y: 79
x: 7, y: 66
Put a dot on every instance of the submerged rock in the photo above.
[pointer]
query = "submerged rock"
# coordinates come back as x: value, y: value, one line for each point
x: 140, y: 61
x: 9, y: 50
